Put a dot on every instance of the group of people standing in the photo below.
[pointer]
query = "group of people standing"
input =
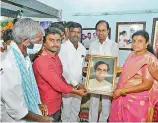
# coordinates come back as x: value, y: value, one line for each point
x: 50, y: 88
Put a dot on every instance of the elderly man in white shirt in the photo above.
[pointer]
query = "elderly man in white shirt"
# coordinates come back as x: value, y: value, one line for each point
x: 102, y: 46
x: 72, y: 56
x: 12, y: 102
x: 14, y: 107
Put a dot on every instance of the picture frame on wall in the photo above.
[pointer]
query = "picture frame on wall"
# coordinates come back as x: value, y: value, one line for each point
x: 89, y: 35
x: 45, y: 24
x: 124, y: 32
x: 101, y: 75
x: 154, y: 37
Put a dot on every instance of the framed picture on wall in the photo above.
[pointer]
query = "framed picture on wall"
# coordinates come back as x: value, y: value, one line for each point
x: 154, y: 37
x: 45, y: 24
x: 89, y: 35
x: 124, y: 32
x: 101, y: 75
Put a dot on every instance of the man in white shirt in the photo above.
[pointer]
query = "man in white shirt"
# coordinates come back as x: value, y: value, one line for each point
x: 13, y: 105
x: 72, y: 56
x: 102, y: 46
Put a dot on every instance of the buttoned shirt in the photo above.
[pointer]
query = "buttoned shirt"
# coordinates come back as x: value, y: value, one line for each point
x: 108, y: 48
x: 72, y: 60
x: 48, y: 73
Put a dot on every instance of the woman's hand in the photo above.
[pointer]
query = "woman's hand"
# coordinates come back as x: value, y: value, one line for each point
x: 116, y: 93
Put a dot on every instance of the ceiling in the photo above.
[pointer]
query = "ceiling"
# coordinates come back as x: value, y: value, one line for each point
x: 89, y: 6
x: 30, y: 10
x: 70, y: 7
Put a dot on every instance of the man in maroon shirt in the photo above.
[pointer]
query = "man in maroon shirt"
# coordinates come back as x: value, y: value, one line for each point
x: 48, y: 73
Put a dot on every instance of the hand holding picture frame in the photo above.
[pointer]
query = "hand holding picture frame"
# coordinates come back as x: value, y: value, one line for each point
x: 101, y: 75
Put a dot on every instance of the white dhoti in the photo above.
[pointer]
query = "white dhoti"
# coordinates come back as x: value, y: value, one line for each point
x: 94, y: 107
x: 71, y: 107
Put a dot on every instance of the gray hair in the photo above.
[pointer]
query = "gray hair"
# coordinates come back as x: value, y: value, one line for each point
x: 26, y: 29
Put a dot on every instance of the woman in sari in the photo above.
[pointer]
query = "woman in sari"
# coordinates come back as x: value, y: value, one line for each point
x: 135, y: 95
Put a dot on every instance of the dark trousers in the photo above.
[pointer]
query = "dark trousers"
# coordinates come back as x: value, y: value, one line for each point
x: 56, y: 116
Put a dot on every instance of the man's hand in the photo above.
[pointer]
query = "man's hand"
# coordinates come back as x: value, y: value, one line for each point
x: 82, y: 92
x: 43, y: 109
x: 88, y: 57
x: 81, y: 86
x: 46, y: 119
x: 37, y: 118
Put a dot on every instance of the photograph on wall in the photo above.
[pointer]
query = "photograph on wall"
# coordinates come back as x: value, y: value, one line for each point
x: 45, y: 24
x: 89, y: 35
x: 124, y: 32
x: 101, y: 75
x: 154, y: 37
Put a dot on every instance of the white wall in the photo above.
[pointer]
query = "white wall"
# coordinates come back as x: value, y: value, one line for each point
x: 89, y: 22
x: 69, y: 7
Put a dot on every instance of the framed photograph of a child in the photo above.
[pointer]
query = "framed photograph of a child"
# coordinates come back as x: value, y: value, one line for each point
x: 124, y: 32
x: 101, y: 75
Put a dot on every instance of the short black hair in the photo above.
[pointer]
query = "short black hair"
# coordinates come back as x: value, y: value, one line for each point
x: 142, y: 33
x: 75, y: 25
x: 99, y: 63
x: 102, y: 21
x: 59, y: 26
x: 7, y: 35
x: 67, y: 24
x: 51, y: 30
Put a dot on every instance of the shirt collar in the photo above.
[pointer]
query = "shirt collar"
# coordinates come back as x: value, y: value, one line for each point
x: 98, y: 81
x: 45, y: 52
x: 63, y: 41
x: 105, y: 42
x: 79, y: 44
x: 15, y: 46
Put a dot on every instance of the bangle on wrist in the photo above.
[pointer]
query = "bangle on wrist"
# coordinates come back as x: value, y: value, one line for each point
x: 123, y: 92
